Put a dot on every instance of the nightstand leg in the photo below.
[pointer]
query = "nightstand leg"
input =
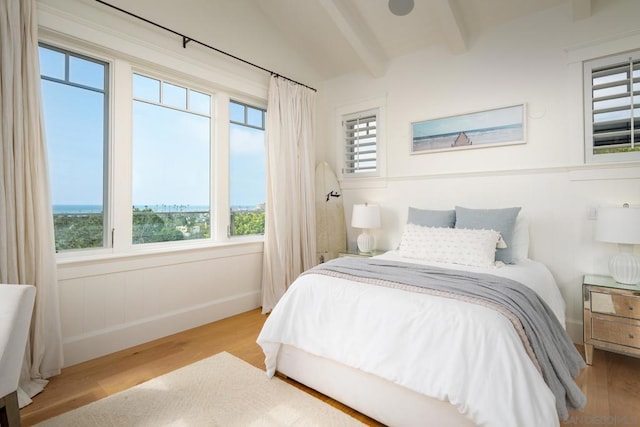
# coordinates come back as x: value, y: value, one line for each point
x: 588, y: 353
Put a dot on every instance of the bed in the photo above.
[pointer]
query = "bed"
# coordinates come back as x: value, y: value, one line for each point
x: 405, y: 354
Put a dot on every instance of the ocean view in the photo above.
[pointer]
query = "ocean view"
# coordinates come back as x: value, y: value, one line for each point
x: 94, y: 209
x: 76, y: 209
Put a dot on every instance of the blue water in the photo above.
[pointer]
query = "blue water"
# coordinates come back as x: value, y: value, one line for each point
x: 76, y: 209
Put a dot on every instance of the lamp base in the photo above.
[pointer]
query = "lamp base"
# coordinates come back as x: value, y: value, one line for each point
x: 625, y: 268
x: 365, y: 242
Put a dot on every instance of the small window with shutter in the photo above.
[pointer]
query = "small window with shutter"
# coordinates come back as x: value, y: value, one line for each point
x: 612, y: 108
x: 361, y: 144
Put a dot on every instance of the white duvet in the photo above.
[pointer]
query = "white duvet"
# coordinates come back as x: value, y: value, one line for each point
x: 444, y: 348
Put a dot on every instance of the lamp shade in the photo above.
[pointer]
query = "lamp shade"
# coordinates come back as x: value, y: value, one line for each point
x: 621, y: 226
x: 365, y: 216
x: 618, y: 225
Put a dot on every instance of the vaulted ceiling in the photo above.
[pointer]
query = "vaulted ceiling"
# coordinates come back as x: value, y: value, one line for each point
x: 344, y: 36
x: 336, y: 37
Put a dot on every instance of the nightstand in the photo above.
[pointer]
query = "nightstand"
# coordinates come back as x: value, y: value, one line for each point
x: 611, y: 316
x: 357, y: 254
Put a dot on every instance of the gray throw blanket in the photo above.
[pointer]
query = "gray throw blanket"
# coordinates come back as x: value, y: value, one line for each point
x: 558, y: 359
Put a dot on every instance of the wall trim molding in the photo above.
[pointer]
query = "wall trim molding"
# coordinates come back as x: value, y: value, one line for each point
x: 590, y: 172
x: 97, y: 265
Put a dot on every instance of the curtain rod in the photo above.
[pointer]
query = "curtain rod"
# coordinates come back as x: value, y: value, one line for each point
x: 186, y: 39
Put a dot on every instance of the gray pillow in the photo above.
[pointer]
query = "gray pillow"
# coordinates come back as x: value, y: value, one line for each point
x: 500, y: 220
x: 431, y: 218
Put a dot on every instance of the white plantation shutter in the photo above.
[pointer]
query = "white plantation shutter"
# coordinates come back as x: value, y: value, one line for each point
x: 361, y: 143
x: 612, y: 110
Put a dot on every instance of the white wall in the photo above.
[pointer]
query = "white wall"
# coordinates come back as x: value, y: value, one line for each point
x: 114, y: 303
x: 536, y: 61
x: 111, y: 301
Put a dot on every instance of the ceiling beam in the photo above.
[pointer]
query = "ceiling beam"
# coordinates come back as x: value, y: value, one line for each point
x: 452, y: 25
x: 453, y: 28
x: 581, y: 9
x: 358, y: 35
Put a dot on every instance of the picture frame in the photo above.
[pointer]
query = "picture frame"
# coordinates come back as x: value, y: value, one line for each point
x: 488, y: 128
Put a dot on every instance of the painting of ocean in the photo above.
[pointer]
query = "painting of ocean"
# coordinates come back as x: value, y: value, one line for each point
x: 484, y: 128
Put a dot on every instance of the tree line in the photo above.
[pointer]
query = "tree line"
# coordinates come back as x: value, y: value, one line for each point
x: 84, y: 231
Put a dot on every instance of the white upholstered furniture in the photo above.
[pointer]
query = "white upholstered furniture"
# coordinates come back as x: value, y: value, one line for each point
x: 16, y: 307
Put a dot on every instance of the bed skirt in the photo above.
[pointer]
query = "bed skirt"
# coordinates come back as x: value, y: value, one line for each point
x: 373, y: 396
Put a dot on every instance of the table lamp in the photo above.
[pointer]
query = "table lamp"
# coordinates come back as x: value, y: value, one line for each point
x: 621, y: 225
x: 366, y: 217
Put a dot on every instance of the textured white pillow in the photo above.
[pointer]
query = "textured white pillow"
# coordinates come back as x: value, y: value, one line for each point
x: 450, y: 245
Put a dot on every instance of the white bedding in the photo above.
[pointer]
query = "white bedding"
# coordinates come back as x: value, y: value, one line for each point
x: 452, y: 350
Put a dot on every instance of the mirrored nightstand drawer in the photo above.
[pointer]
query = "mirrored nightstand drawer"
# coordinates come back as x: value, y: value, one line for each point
x: 615, y: 332
x: 619, y: 305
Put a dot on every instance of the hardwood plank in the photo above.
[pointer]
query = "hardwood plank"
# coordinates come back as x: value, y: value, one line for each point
x: 92, y: 380
x: 624, y: 385
x: 611, y: 384
x: 612, y: 387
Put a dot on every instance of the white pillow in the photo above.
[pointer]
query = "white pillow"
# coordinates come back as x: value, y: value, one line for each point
x: 450, y: 245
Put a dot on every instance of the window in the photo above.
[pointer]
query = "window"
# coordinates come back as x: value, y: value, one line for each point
x: 361, y: 144
x: 612, y: 110
x: 75, y: 100
x: 247, y: 169
x: 132, y: 155
x: 171, y: 161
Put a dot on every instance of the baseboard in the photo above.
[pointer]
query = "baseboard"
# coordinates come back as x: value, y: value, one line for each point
x: 81, y: 348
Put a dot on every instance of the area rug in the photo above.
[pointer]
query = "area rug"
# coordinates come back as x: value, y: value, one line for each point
x: 221, y: 390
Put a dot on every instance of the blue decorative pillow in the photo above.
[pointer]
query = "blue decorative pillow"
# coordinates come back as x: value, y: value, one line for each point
x: 501, y: 220
x: 431, y: 218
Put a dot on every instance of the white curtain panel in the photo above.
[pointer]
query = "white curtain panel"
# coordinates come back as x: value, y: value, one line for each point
x: 27, y: 248
x: 290, y: 230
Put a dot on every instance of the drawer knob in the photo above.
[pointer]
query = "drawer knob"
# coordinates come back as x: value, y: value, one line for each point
x: 631, y: 308
x: 631, y: 336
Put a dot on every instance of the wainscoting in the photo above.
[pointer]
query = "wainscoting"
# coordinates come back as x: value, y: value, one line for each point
x: 113, y: 303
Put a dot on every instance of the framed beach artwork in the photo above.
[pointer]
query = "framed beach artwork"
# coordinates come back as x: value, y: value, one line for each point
x: 500, y: 126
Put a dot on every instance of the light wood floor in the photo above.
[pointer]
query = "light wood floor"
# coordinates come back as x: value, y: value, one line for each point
x: 611, y: 384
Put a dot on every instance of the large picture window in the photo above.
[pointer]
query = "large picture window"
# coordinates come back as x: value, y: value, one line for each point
x: 171, y: 161
x: 612, y: 108
x: 132, y: 153
x: 75, y: 100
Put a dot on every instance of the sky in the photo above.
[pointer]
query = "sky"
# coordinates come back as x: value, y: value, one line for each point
x: 171, y: 152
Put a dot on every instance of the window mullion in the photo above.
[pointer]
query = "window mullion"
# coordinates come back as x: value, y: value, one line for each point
x: 631, y: 105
